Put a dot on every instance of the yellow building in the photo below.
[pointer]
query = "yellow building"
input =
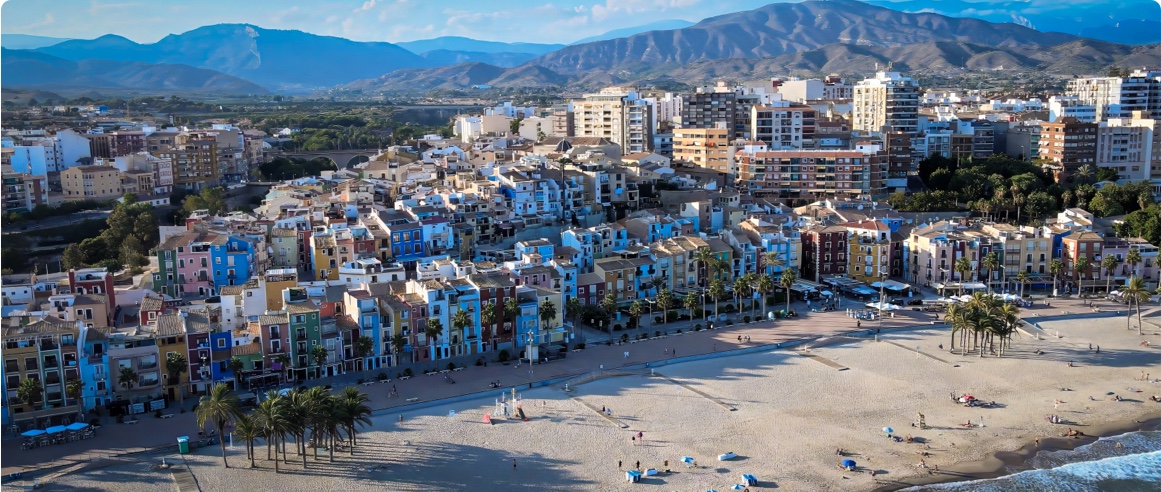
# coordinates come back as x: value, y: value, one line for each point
x: 273, y: 282
x: 91, y: 183
x: 395, y: 318
x: 46, y: 351
x: 324, y: 255
x: 869, y: 253
x: 170, y: 336
x: 703, y: 147
x: 284, y: 247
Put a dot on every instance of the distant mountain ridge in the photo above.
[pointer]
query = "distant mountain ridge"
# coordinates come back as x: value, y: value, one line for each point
x: 280, y: 59
x: 30, y: 69
x: 664, y: 25
x: 28, y: 41
x: 460, y: 43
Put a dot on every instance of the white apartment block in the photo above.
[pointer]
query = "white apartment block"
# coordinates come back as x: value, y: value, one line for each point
x: 887, y: 102
x: 1125, y: 149
x: 832, y: 88
x: 1070, y: 107
x: 618, y: 115
x: 1151, y: 144
x: 1119, y: 96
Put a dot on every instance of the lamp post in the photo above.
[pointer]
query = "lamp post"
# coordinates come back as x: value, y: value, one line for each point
x: 531, y: 340
x: 882, y: 290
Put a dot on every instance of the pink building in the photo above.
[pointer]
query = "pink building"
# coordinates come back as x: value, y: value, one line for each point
x: 1147, y: 269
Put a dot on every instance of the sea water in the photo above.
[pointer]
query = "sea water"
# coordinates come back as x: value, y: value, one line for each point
x: 1101, y: 466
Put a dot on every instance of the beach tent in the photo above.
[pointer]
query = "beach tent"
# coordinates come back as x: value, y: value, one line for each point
x: 56, y: 429
x: 76, y: 426
x: 32, y: 433
x: 848, y: 463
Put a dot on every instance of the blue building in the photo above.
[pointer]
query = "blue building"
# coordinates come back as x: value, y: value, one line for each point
x: 233, y: 261
x: 407, y: 243
x: 364, y: 310
x: 541, y: 247
x: 93, y: 365
x: 221, y: 346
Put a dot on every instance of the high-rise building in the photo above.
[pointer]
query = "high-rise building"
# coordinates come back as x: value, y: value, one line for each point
x: 709, y: 107
x: 703, y: 147
x: 1119, y: 96
x: 1131, y: 146
x: 562, y: 122
x: 119, y: 143
x: 617, y: 114
x: 783, y: 127
x: 194, y: 162
x: 889, y: 102
x: 811, y: 174
x: 1068, y: 145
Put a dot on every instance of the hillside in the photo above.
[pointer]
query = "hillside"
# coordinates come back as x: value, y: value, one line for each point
x: 27, y: 69
x: 280, y: 59
x: 782, y: 28
x: 459, y: 43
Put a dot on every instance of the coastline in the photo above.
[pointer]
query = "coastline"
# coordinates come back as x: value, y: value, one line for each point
x: 1005, y: 463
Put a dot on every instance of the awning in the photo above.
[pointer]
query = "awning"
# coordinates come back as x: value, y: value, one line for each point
x: 32, y: 433
x: 76, y: 426
x: 56, y: 429
x: 882, y: 306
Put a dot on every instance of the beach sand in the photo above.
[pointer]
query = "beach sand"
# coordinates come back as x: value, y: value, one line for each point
x: 790, y: 410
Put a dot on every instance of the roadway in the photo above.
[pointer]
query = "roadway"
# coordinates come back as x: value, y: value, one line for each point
x: 51, y: 222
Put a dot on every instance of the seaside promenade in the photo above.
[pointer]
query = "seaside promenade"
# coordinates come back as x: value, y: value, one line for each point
x: 151, y: 433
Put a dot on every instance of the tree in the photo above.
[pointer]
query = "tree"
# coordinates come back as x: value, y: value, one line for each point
x: 741, y: 291
x: 211, y: 199
x: 991, y: 263
x: 319, y: 355
x: 488, y: 315
x: 1109, y: 263
x: 511, y: 310
x: 74, y: 388
x: 964, y: 267
x: 398, y: 344
x: 73, y: 257
x: 273, y: 417
x: 787, y: 281
x: 704, y: 257
x: 1081, y: 267
x: 1022, y: 278
x: 635, y: 312
x: 572, y: 307
x: 220, y: 407
x: 690, y: 303
x: 1135, y: 292
x: 547, y: 314
x: 773, y: 261
x: 609, y: 304
x: 1133, y: 259
x: 247, y: 429
x: 283, y: 361
x: 175, y: 365
x: 1055, y: 267
x: 433, y: 330
x: 127, y: 378
x: 665, y: 301
x: 461, y: 320
x: 765, y: 285
x: 30, y: 391
x: 717, y: 289
x: 236, y: 366
x: 364, y: 345
x: 354, y: 412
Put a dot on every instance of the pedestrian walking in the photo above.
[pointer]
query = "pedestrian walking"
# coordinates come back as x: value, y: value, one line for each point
x: 633, y: 439
x: 513, y: 463
x: 618, y: 464
x: 638, y: 464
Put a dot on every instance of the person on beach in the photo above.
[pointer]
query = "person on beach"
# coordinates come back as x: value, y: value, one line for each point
x: 638, y: 464
x: 513, y: 463
x: 618, y: 464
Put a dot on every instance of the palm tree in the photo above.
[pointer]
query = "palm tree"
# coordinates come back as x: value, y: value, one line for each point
x: 319, y: 355
x: 73, y: 389
x: 690, y: 303
x: 665, y: 301
x: 30, y: 391
x: 330, y: 418
x: 175, y: 364
x: 1133, y: 259
x: 398, y: 343
x: 127, y: 378
x: 511, y: 310
x: 573, y: 307
x: 488, y: 315
x: 751, y: 287
x: 220, y: 407
x: 355, y: 413
x: 1081, y: 266
x: 954, y: 315
x: 1109, y: 263
x: 741, y: 289
x: 1022, y: 278
x: 635, y: 312
x: 964, y: 267
x: 283, y: 360
x: 433, y: 330
x: 717, y: 289
x: 764, y: 285
x: 247, y: 429
x: 787, y: 281
x: 1136, y: 292
x: 461, y: 321
x: 1055, y: 267
x: 705, y: 257
x: 773, y: 260
x: 991, y: 263
x: 364, y: 346
x: 236, y: 366
x: 273, y: 418
x: 313, y: 404
x: 609, y: 304
x: 547, y: 313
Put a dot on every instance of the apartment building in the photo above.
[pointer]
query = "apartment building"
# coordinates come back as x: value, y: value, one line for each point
x: 710, y: 107
x: 91, y: 183
x: 783, y: 127
x: 114, y: 144
x: 703, y: 147
x: 21, y: 191
x: 1148, y: 145
x: 195, y: 163
x: 889, y: 102
x: 45, y: 351
x: 1067, y: 145
x: 1119, y: 96
x: 1125, y: 149
x: 811, y: 175
x: 824, y: 252
x: 869, y: 252
x: 617, y: 114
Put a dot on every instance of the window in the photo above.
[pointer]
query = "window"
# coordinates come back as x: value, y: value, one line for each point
x: 222, y: 342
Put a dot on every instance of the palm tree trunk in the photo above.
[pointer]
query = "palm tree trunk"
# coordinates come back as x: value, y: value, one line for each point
x: 275, y: 454
x: 332, y: 448
x: 1140, y: 326
x: 222, y: 443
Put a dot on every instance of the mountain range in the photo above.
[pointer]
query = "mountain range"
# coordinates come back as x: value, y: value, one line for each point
x: 778, y: 39
x: 27, y: 41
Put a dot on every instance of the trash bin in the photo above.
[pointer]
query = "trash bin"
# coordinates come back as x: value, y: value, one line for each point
x: 183, y: 444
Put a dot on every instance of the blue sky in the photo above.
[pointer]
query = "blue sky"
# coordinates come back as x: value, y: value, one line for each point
x: 559, y: 21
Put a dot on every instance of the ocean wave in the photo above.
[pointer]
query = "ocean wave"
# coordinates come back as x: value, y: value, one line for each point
x: 1098, y: 466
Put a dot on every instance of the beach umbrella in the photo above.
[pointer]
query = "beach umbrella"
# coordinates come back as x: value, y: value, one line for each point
x: 738, y: 486
x: 56, y: 429
x: 32, y: 433
x: 848, y: 463
x: 77, y: 426
x: 888, y: 430
x: 687, y: 459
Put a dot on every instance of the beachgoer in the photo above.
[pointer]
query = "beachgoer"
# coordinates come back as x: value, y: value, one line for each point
x: 739, y: 338
x: 1098, y: 349
x: 633, y: 439
x: 638, y: 464
x: 858, y: 323
x: 618, y: 464
x: 872, y: 473
x: 1037, y: 441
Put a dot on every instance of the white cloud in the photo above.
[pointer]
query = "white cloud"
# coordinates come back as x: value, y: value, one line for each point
x: 613, y: 8
x: 48, y: 21
x: 368, y: 5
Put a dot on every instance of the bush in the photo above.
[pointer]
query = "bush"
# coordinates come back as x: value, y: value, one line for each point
x: 657, y: 333
x: 746, y: 318
x: 679, y: 330
x: 697, y: 327
x: 479, y: 362
x: 580, y: 346
x: 383, y: 376
x: 728, y: 308
x: 624, y: 337
x: 451, y: 366
x: 618, y: 327
x: 407, y: 372
x: 729, y: 322
x: 503, y: 357
x: 95, y: 421
x: 657, y: 320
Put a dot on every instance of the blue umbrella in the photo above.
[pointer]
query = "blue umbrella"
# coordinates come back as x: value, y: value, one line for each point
x: 888, y: 430
x: 848, y: 463
x: 56, y: 429
x: 77, y: 426
x: 32, y: 433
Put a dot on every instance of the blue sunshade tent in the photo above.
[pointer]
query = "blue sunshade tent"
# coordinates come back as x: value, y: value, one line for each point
x: 76, y: 426
x: 888, y: 430
x: 32, y: 433
x: 848, y: 463
x: 56, y: 429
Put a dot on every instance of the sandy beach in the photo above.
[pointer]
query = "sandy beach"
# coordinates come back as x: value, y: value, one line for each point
x: 782, y: 412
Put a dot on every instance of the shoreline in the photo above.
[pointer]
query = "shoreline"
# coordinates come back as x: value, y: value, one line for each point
x: 1005, y: 463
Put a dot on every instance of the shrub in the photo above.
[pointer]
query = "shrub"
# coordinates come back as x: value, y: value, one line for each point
x: 407, y: 372
x: 480, y: 361
x: 729, y: 322
x: 382, y: 376
x: 728, y: 308
x: 157, y: 414
x: 657, y: 333
x: 746, y: 319
x: 451, y: 366
x: 618, y: 327
x: 657, y: 320
x: 503, y: 356
x: 679, y: 331
x: 580, y: 345
x: 624, y: 337
x: 95, y: 422
x: 697, y: 327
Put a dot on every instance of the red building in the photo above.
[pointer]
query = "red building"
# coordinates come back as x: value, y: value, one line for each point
x: 495, y: 290
x: 95, y: 281
x: 824, y: 252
